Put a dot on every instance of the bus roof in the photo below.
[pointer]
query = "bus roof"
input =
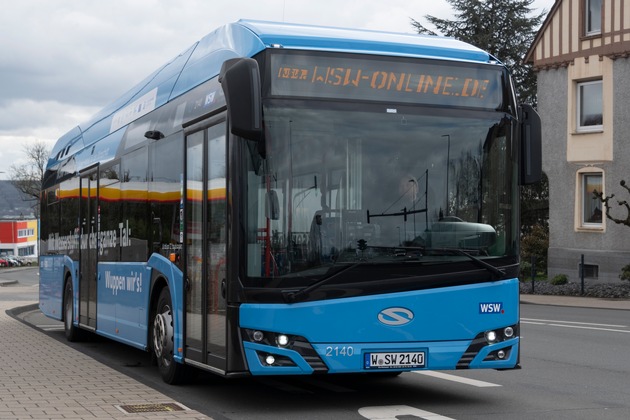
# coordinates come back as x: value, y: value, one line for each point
x: 323, y: 38
x: 245, y: 38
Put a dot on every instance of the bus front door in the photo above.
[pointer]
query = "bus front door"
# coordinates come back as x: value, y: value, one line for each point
x: 89, y: 217
x: 205, y: 243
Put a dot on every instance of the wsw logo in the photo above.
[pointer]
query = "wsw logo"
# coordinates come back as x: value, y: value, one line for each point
x: 491, y: 308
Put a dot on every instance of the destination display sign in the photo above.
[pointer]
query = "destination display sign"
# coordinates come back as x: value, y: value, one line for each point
x: 392, y: 80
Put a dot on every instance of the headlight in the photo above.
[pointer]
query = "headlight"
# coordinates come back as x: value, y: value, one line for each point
x: 508, y: 332
x: 282, y: 340
x: 258, y: 336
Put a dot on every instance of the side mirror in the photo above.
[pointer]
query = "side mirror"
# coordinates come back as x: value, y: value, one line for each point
x: 531, y: 145
x: 240, y: 79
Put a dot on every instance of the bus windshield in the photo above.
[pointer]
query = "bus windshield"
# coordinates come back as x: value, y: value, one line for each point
x: 341, y: 185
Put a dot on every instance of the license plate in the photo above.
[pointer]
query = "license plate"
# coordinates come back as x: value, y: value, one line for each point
x: 395, y: 360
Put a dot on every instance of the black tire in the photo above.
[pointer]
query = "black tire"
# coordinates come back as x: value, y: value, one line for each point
x: 163, y: 341
x: 73, y: 333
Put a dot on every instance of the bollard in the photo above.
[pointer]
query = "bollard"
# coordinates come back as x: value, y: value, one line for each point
x: 582, y: 273
x: 533, y: 272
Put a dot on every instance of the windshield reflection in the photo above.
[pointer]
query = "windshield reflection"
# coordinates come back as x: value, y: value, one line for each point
x: 347, y: 186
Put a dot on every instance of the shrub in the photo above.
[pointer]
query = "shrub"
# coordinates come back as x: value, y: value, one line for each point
x: 535, y: 243
x: 526, y: 270
x: 625, y: 273
x: 559, y: 279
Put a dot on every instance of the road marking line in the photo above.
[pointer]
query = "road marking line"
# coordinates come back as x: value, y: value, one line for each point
x: 392, y: 412
x: 590, y: 328
x: 578, y: 325
x: 572, y: 322
x: 453, y: 378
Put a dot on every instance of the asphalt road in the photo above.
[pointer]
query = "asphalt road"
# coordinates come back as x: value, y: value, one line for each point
x: 575, y: 366
x: 19, y: 284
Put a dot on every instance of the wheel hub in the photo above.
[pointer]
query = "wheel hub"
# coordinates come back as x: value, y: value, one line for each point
x: 163, y: 334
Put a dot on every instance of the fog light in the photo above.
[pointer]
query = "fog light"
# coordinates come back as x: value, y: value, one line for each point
x: 491, y: 336
x: 258, y: 336
x: 508, y: 332
x: 282, y: 340
x: 270, y: 360
x: 501, y: 354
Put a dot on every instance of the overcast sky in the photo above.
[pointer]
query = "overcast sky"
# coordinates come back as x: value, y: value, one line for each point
x: 63, y: 60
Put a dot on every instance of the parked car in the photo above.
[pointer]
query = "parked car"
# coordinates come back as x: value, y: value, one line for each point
x: 23, y: 261
x: 13, y: 262
x: 3, y: 263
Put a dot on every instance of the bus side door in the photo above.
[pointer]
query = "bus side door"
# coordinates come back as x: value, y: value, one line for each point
x: 205, y: 242
x: 90, y: 221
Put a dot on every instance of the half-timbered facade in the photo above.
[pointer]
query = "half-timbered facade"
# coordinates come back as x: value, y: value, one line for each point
x: 581, y: 58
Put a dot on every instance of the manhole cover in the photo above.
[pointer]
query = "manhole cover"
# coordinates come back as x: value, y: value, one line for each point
x: 151, y: 408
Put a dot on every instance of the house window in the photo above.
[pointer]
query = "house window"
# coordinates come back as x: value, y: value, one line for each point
x: 590, y: 106
x: 591, y: 205
x: 593, y: 17
x: 591, y: 271
x: 25, y: 233
x: 27, y: 251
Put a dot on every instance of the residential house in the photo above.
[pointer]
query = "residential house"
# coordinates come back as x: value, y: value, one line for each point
x: 581, y: 55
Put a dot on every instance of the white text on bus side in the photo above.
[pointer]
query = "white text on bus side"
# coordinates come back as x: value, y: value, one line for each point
x: 104, y: 239
x: 132, y: 283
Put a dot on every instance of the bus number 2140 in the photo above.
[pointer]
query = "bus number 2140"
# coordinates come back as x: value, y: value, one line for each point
x: 339, y: 351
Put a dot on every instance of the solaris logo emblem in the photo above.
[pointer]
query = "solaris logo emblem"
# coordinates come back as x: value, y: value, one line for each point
x: 395, y: 316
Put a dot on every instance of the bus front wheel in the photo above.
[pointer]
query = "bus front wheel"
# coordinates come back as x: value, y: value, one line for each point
x: 164, y: 340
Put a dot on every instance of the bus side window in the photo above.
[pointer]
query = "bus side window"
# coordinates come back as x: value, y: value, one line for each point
x: 134, y: 212
x: 109, y: 201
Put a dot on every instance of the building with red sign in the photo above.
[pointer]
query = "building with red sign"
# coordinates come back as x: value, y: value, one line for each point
x: 18, y: 237
x: 18, y: 223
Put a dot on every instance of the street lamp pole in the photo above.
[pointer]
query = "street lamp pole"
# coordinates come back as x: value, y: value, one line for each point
x: 413, y: 204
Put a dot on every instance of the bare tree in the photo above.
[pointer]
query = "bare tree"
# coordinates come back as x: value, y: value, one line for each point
x: 28, y: 177
x: 620, y: 203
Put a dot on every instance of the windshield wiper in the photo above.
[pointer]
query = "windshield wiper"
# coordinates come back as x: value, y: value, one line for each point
x: 293, y: 296
x: 297, y: 296
x: 496, y: 272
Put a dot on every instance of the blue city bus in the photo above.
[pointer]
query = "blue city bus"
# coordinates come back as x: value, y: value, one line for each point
x: 292, y: 200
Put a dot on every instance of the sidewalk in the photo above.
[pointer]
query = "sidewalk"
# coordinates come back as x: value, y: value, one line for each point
x: 581, y: 302
x: 41, y: 378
